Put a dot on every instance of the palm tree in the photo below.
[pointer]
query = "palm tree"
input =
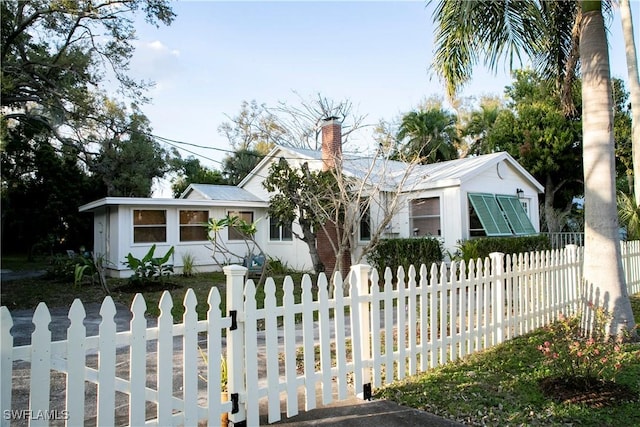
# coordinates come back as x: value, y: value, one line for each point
x: 466, y: 30
x: 634, y: 89
x: 479, y: 123
x: 602, y: 258
x: 430, y: 134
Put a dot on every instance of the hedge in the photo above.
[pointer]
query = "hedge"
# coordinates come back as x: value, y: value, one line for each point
x: 405, y: 252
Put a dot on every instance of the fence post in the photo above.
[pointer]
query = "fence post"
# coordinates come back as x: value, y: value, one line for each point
x: 362, y: 279
x: 497, y: 270
x: 235, y: 342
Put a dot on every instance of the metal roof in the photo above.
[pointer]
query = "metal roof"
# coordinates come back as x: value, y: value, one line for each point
x: 229, y: 193
x: 393, y: 173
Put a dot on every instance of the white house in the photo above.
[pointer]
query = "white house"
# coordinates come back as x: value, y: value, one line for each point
x: 488, y: 195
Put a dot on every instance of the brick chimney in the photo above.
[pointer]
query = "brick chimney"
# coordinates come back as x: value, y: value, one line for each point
x: 331, y: 157
x: 331, y: 142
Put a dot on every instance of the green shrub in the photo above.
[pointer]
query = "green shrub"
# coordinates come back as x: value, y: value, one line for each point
x: 149, y: 267
x: 482, y: 247
x: 405, y: 252
x: 277, y: 266
x: 62, y: 267
x: 188, y: 264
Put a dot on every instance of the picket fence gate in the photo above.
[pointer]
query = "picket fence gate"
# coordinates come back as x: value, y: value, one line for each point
x: 325, y: 347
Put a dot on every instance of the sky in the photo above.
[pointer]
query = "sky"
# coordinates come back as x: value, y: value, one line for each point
x: 215, y: 55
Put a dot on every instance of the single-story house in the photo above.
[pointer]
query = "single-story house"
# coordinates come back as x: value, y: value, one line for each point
x: 487, y: 195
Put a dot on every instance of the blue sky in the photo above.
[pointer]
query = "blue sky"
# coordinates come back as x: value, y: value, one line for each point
x: 217, y: 54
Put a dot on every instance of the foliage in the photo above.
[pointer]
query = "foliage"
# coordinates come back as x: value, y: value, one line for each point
x: 430, y: 135
x: 188, y: 262
x: 629, y: 215
x: 55, y: 56
x: 56, y: 53
x: 244, y: 229
x: 570, y: 353
x: 622, y: 136
x: 190, y: 171
x: 62, y: 267
x: 481, y: 248
x: 277, y: 267
x: 129, y: 158
x: 149, y: 267
x: 224, y: 376
x: 490, y: 32
x: 85, y: 267
x: 253, y: 129
x: 394, y: 253
x: 535, y: 131
x: 41, y: 192
x: 301, y: 194
x: 237, y: 165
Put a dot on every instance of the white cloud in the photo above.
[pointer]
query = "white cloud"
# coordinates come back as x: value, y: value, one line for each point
x: 154, y: 60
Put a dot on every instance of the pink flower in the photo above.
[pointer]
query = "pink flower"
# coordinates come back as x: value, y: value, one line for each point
x: 603, y: 360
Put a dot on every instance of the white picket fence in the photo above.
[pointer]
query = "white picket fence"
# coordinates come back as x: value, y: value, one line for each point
x: 326, y: 347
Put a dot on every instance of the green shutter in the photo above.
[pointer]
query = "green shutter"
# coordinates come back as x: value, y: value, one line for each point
x: 490, y: 214
x: 516, y: 215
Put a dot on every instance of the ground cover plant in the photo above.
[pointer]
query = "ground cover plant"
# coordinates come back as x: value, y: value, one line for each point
x: 505, y: 386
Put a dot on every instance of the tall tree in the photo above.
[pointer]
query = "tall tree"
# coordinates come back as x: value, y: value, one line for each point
x: 626, y: 19
x: 130, y: 158
x: 55, y: 54
x: 191, y: 171
x: 535, y: 131
x: 299, y: 194
x: 253, y: 128
x: 602, y: 259
x: 479, y: 123
x: 238, y: 164
x: 469, y: 29
x: 299, y: 124
x: 431, y: 135
x: 54, y: 58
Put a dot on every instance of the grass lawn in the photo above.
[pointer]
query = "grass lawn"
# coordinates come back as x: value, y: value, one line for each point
x: 500, y: 387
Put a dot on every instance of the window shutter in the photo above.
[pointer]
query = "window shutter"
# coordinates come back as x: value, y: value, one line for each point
x: 490, y: 214
x: 517, y: 217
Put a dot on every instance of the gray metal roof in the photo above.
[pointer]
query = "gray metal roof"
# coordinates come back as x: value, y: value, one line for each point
x: 392, y: 173
x: 229, y: 193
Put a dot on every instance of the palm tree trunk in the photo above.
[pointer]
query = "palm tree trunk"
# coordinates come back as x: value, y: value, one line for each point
x: 634, y: 88
x: 602, y: 272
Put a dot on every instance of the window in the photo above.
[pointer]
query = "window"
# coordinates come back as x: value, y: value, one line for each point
x: 498, y: 215
x: 425, y: 217
x: 149, y: 226
x: 234, y: 233
x: 193, y: 226
x: 365, y: 225
x: 279, y: 232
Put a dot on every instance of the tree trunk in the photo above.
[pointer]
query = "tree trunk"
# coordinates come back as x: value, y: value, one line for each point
x: 310, y: 239
x: 634, y: 89
x: 602, y: 272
